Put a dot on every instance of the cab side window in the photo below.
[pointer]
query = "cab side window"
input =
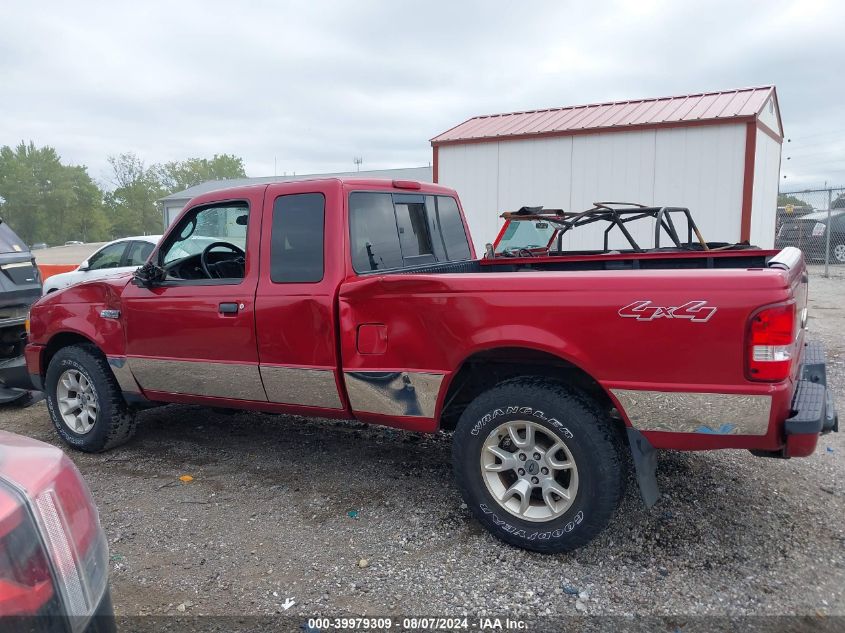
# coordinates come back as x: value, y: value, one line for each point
x: 414, y: 230
x: 374, y: 238
x: 107, y: 257
x: 389, y: 231
x: 296, y: 239
x: 450, y: 227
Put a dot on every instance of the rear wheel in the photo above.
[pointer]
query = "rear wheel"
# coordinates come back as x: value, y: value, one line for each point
x: 838, y: 252
x: 538, y: 464
x: 85, y: 402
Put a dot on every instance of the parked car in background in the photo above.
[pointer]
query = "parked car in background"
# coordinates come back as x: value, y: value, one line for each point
x: 809, y: 233
x: 38, y: 246
x: 20, y: 287
x: 53, y: 553
x: 119, y: 256
x: 73, y: 243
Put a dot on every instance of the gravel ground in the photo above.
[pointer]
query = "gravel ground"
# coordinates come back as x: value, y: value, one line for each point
x: 345, y: 518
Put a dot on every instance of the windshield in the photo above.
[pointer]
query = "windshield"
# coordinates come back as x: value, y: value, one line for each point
x: 525, y: 234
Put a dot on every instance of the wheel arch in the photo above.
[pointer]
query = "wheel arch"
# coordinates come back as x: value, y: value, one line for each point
x: 61, y: 340
x: 510, y: 361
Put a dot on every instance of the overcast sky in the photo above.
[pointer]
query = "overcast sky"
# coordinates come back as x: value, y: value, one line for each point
x: 313, y: 84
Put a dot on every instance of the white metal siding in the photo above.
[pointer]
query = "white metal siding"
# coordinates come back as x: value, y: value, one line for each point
x: 703, y: 168
x: 475, y: 169
x: 769, y: 115
x: 764, y: 202
x: 698, y: 167
x: 616, y: 167
x: 171, y: 213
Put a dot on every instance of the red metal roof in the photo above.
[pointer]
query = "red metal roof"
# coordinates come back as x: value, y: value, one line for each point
x: 745, y: 104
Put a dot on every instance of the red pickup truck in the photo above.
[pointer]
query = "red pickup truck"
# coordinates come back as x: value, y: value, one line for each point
x: 354, y: 298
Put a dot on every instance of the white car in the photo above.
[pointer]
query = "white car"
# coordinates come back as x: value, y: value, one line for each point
x: 120, y: 256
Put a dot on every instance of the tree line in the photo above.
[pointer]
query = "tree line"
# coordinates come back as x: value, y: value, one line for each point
x: 45, y: 200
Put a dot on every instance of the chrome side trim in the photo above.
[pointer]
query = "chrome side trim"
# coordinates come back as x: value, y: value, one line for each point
x: 690, y: 412
x: 296, y: 385
x: 404, y: 393
x: 123, y: 374
x: 239, y: 381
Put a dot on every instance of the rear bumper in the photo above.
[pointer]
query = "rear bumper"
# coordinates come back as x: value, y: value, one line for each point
x: 813, y: 411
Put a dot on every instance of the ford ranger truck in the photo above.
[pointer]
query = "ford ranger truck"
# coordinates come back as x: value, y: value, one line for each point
x: 363, y: 299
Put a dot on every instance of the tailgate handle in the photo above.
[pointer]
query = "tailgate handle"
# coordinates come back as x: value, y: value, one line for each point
x: 228, y: 308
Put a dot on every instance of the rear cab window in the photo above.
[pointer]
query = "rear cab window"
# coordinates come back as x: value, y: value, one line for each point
x: 391, y: 230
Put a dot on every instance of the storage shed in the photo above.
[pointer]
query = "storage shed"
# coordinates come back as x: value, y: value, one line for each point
x: 717, y: 153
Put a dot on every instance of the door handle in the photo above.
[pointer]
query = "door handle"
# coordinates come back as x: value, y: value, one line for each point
x: 228, y: 308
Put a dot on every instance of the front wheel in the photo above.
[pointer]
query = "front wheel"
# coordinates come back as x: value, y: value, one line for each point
x: 838, y: 252
x: 85, y: 402
x: 538, y: 465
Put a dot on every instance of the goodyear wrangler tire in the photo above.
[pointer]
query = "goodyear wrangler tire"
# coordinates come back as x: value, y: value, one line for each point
x: 538, y: 465
x: 85, y: 402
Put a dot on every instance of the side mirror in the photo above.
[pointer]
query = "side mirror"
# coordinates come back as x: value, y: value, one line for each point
x: 83, y: 266
x: 148, y: 275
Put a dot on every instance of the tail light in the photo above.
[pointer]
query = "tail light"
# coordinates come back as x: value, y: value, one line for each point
x: 26, y: 583
x: 771, y: 343
x: 53, y: 553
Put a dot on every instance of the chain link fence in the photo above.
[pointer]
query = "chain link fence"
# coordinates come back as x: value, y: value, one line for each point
x: 814, y: 221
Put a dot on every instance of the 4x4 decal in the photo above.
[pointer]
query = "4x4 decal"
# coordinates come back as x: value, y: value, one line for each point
x: 696, y: 311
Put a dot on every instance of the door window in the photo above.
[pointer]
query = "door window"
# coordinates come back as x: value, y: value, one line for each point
x: 107, y: 257
x: 209, y: 243
x: 138, y: 253
x: 296, y: 241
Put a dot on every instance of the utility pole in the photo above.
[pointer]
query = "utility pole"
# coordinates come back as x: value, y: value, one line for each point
x: 358, y: 160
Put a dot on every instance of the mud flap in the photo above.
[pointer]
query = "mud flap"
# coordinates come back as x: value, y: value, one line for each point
x: 645, y: 462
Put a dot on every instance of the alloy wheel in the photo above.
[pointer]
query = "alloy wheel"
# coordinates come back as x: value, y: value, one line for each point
x: 77, y: 401
x: 529, y: 470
